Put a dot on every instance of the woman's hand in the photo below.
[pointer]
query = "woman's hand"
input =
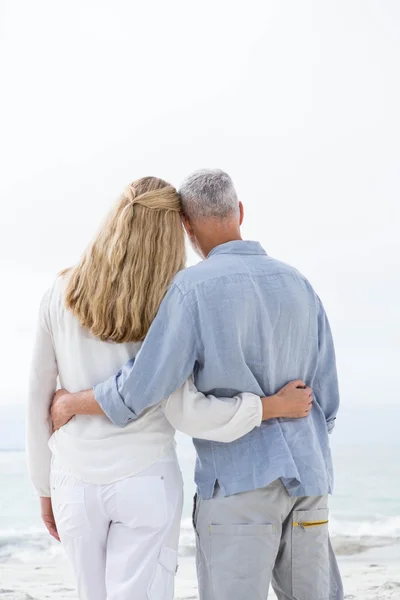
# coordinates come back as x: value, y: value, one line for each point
x: 48, y: 517
x: 66, y: 405
x: 293, y: 401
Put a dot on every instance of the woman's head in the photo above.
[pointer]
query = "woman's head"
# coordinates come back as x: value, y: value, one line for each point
x: 117, y: 287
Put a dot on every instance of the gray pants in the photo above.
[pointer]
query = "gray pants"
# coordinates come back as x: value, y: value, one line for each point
x: 245, y: 540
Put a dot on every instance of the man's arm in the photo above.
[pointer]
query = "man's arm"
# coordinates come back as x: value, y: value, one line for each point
x: 165, y: 361
x: 326, y: 387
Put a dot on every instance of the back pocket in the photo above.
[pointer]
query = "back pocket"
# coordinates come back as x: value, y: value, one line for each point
x: 310, y: 555
x: 241, y: 558
x: 69, y: 509
x: 142, y: 502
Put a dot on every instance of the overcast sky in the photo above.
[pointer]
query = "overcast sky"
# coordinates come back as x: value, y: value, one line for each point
x: 298, y: 101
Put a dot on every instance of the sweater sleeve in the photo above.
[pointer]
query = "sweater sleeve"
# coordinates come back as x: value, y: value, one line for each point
x: 42, y: 386
x: 211, y: 418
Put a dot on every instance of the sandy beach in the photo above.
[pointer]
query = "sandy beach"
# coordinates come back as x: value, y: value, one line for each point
x: 370, y: 575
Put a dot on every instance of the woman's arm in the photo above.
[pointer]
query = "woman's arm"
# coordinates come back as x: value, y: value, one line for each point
x: 42, y: 386
x: 227, y: 419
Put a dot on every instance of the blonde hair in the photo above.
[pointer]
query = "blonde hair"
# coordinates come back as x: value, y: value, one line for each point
x: 116, y: 289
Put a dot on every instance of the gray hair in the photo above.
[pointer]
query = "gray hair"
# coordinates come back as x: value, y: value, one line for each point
x: 209, y: 193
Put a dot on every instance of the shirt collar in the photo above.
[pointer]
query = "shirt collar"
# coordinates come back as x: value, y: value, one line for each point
x: 238, y: 247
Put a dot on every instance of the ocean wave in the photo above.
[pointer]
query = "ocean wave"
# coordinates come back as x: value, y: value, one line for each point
x: 25, y: 545
x: 349, y: 537
x: 379, y: 527
x: 187, y: 543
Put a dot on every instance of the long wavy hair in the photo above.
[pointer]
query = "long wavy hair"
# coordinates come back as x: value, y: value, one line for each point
x: 116, y: 289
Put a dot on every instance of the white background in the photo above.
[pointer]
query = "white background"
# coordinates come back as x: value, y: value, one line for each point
x: 298, y: 101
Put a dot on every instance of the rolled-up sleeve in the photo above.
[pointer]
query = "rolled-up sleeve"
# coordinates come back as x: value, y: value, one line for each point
x: 165, y: 361
x: 330, y: 425
x: 326, y: 386
x: 108, y: 396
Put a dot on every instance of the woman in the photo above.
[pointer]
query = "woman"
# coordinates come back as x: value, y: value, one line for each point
x: 117, y: 493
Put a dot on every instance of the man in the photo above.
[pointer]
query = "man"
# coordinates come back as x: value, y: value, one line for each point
x: 242, y: 321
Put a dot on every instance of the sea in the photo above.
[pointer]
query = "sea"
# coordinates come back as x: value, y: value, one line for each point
x: 364, y: 513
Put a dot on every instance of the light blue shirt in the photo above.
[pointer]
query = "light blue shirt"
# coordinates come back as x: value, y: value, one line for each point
x: 241, y: 322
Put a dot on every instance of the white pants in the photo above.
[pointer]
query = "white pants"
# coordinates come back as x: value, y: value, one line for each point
x: 121, y: 538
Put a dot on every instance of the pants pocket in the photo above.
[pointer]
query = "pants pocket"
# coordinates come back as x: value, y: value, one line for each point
x: 241, y: 559
x: 141, y: 502
x: 311, y: 578
x: 163, y: 584
x: 70, y: 510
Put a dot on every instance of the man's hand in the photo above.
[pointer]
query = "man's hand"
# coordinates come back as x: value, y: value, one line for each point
x: 48, y: 517
x: 293, y: 401
x: 60, y: 409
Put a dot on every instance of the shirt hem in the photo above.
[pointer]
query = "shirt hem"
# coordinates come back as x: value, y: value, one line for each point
x: 292, y: 485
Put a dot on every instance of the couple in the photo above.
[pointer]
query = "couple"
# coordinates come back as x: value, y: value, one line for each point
x: 209, y: 351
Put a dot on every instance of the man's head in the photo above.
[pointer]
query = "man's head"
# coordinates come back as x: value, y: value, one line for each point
x: 212, y: 212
